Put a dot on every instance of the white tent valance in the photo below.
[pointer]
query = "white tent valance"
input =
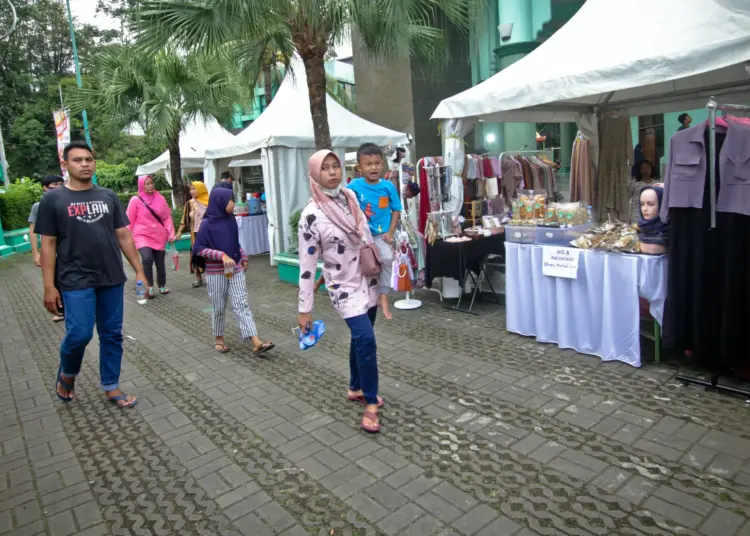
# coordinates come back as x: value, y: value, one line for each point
x: 600, y: 60
x: 196, y: 136
x: 246, y: 162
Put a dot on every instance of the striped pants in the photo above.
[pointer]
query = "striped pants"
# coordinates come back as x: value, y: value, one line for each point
x: 218, y: 289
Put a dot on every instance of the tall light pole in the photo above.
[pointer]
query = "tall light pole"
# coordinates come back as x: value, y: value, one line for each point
x: 79, y: 81
x: 3, y: 161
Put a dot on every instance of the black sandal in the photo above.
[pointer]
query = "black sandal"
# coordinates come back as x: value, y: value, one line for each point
x: 266, y: 346
x: 64, y: 382
x: 221, y: 348
x: 198, y: 284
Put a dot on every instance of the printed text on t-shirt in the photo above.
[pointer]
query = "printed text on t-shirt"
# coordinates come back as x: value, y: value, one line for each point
x: 88, y: 211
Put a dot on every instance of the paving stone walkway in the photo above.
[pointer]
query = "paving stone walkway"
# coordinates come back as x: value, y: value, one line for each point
x: 484, y: 432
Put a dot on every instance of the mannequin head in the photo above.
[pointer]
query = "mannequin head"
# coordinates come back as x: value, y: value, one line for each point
x: 649, y: 204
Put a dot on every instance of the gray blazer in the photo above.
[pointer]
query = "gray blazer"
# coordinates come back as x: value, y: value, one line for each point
x: 686, y: 170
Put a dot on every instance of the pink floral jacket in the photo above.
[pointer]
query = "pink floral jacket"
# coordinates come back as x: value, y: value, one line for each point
x: 351, y: 293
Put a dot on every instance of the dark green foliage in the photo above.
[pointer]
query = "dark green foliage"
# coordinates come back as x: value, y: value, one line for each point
x: 16, y: 202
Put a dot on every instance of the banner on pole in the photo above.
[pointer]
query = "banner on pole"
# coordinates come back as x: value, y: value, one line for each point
x: 62, y: 129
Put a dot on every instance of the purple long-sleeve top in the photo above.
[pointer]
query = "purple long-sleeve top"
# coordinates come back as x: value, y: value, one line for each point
x: 685, y: 179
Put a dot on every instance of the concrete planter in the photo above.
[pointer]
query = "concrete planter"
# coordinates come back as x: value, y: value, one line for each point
x: 287, y: 265
x: 18, y: 241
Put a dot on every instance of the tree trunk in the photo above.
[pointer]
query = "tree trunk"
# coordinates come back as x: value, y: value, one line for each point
x: 316, y: 86
x: 175, y: 168
x: 268, y: 83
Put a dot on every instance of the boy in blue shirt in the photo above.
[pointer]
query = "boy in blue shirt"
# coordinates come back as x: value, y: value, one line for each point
x: 380, y: 202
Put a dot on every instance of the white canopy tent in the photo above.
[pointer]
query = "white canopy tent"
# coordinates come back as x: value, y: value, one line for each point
x: 283, y: 138
x: 598, y: 62
x: 196, y: 136
x: 694, y: 49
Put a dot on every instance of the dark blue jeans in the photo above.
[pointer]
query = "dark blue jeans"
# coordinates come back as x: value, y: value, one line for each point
x: 363, y: 361
x: 102, y: 306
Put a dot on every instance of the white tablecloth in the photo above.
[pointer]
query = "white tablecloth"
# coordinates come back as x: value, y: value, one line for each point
x: 254, y: 234
x: 597, y: 313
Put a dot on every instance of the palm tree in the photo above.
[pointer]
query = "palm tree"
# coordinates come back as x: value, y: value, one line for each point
x: 162, y: 92
x: 386, y: 28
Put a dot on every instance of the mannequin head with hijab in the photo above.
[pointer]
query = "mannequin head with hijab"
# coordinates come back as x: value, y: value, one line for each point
x: 652, y: 232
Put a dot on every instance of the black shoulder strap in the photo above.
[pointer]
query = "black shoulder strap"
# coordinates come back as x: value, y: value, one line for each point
x: 151, y: 210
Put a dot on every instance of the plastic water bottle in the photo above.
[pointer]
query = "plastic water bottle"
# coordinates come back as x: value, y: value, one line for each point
x: 140, y: 292
x: 311, y: 338
x: 591, y: 213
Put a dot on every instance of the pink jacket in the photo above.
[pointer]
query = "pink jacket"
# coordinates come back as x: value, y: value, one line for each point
x: 351, y: 293
x: 147, y: 231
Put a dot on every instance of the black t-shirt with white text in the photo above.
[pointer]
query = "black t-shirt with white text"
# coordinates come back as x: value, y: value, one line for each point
x: 84, y: 223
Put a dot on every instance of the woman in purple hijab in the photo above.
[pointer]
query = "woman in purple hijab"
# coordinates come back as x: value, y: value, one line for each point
x: 218, y: 243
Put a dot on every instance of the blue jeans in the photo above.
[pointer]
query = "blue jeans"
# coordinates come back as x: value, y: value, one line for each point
x: 363, y: 361
x: 83, y: 308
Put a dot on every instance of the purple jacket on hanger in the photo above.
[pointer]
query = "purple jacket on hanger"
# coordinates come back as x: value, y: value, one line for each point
x: 686, y: 170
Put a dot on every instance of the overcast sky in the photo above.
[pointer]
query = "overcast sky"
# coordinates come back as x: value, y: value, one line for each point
x: 84, y: 11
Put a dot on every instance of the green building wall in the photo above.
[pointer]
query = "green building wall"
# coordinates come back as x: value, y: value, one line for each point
x: 533, y: 22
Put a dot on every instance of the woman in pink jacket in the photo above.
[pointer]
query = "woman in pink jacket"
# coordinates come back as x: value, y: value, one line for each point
x: 152, y: 227
x: 333, y: 227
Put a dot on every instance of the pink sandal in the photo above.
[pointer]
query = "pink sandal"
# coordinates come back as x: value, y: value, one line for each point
x: 361, y: 400
x: 374, y: 429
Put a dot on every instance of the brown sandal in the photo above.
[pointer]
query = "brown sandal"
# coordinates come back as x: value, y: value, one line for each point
x: 375, y: 428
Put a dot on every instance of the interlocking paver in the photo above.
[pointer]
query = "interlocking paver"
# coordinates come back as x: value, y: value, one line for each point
x: 483, y: 433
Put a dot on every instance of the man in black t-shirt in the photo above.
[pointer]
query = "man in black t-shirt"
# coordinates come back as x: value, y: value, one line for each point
x: 84, y: 230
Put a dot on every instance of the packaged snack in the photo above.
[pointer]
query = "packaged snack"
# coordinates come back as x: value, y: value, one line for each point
x: 526, y: 199
x: 540, y: 205
x: 551, y: 213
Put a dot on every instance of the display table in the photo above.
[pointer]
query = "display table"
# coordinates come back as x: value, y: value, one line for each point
x: 597, y: 313
x: 253, y: 233
x: 459, y: 260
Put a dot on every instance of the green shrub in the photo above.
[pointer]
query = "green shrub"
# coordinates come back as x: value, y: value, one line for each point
x: 121, y: 178
x: 16, y: 202
x: 118, y: 178
x: 294, y: 224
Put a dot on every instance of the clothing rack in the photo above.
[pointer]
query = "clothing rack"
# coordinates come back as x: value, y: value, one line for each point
x: 713, y: 107
x: 408, y: 303
x: 550, y: 150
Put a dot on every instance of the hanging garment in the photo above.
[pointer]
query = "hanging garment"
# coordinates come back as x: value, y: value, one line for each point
x: 424, y: 198
x: 708, y: 298
x: 404, y: 279
x: 481, y: 188
x: 491, y: 188
x: 689, y: 169
x: 394, y: 274
x: 614, y: 169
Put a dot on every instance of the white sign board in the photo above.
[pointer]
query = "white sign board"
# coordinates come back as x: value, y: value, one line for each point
x: 560, y: 262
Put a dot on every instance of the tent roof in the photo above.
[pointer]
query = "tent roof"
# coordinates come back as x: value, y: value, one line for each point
x: 196, y: 136
x: 288, y: 122
x: 642, y: 56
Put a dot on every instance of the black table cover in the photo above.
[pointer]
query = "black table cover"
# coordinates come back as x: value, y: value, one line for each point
x: 452, y: 259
